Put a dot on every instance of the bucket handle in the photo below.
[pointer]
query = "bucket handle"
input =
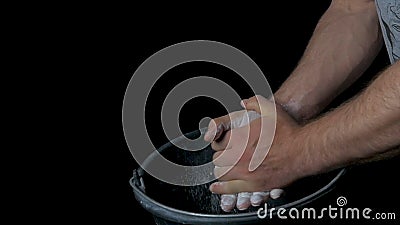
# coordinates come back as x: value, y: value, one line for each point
x: 137, y: 179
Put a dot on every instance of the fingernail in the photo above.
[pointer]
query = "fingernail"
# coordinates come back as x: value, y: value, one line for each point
x: 243, y: 201
x: 212, y: 187
x: 226, y: 208
x: 243, y: 103
x: 259, y: 197
x: 256, y: 200
x: 207, y: 135
x: 276, y: 193
x: 242, y: 206
x: 228, y: 200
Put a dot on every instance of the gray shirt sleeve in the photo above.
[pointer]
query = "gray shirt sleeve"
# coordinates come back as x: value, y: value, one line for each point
x: 389, y: 19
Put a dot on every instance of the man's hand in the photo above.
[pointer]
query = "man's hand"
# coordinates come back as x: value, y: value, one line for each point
x: 219, y: 127
x: 361, y: 128
x: 283, y: 164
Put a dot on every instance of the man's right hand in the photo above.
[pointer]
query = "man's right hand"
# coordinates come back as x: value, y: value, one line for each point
x: 217, y: 129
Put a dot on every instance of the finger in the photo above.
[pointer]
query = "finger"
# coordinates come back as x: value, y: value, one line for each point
x: 231, y: 187
x: 243, y: 200
x: 211, y: 132
x: 259, y: 104
x: 251, y: 104
x: 216, y: 127
x: 222, y: 143
x: 219, y: 125
x: 253, y: 115
x: 214, y: 131
x: 276, y: 193
x: 257, y: 198
x: 242, y: 118
x: 228, y: 202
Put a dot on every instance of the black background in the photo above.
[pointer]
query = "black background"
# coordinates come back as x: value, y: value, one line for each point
x: 275, y: 43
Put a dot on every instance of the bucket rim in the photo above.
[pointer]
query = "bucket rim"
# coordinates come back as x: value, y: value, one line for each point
x: 164, y: 211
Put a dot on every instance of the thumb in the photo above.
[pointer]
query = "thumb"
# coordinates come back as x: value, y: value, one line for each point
x: 250, y: 104
x: 259, y: 104
x: 231, y: 187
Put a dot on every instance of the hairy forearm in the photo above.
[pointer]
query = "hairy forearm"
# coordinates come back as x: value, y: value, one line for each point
x: 362, y: 128
x: 345, y: 41
x: 391, y: 153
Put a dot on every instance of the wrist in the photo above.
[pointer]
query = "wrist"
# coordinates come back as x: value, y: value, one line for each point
x: 323, y: 148
x: 320, y: 151
x: 308, y: 160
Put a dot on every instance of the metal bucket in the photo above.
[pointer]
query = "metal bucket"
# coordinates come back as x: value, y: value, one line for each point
x: 172, y: 204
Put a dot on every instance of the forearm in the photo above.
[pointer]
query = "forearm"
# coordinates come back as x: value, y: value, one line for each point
x: 382, y: 156
x: 364, y: 127
x: 345, y: 41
